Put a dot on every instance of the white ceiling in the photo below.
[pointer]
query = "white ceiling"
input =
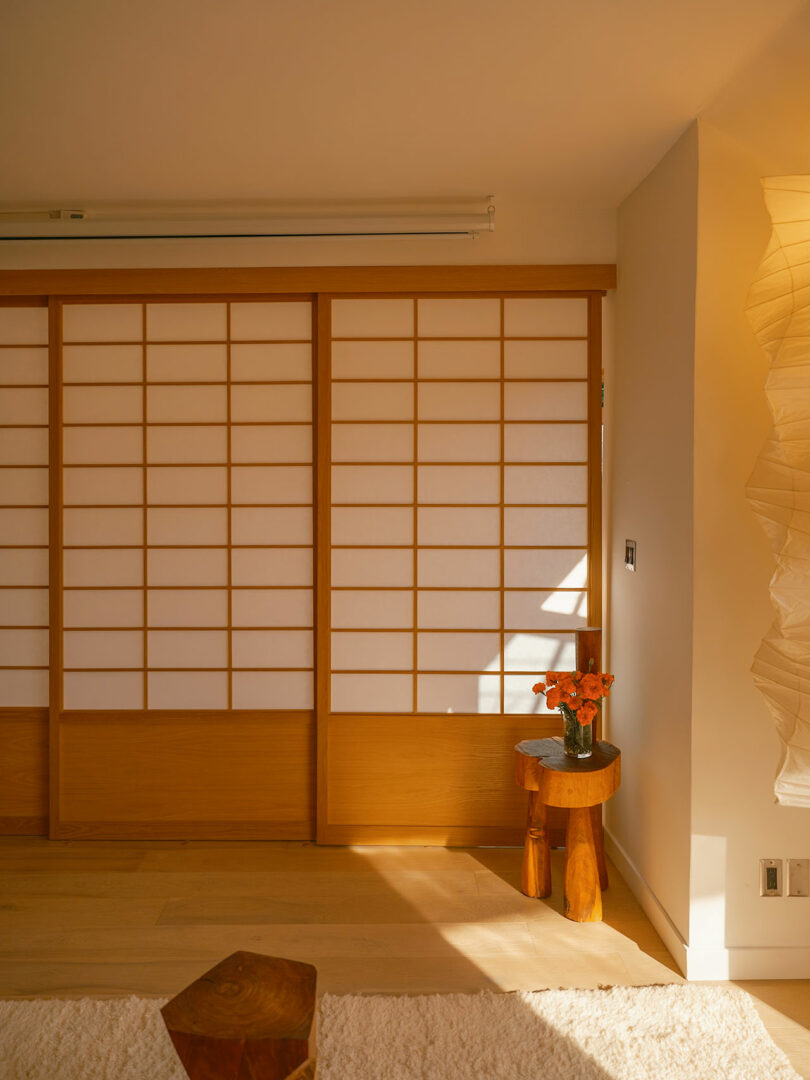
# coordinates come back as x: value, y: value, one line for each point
x: 575, y: 100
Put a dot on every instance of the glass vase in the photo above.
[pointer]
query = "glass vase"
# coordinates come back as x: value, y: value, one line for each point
x: 577, y: 738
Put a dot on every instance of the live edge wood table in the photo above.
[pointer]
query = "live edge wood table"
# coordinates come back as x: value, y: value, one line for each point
x: 581, y: 785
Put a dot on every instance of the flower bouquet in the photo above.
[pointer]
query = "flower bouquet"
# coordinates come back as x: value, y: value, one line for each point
x: 577, y: 694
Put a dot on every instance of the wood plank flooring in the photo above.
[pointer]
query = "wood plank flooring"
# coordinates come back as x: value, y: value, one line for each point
x: 106, y: 918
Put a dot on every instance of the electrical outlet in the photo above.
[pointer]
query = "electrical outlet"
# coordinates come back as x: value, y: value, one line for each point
x: 770, y: 877
x: 798, y: 877
x: 630, y: 555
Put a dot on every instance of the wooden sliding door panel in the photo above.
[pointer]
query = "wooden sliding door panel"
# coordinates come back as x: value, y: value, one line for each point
x: 24, y: 568
x: 186, y: 561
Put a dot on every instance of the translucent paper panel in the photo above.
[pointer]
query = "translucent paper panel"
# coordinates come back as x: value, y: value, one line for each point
x: 271, y: 363
x: 23, y: 487
x: 370, y: 567
x: 188, y: 690
x: 547, y: 569
x: 24, y: 526
x: 102, y: 405
x: 459, y: 484
x: 26, y: 648
x: 23, y: 446
x: 103, y: 690
x: 115, y: 445
x: 273, y: 690
x: 459, y: 652
x: 372, y: 360
x: 379, y: 526
x: 94, y: 567
x: 370, y: 609
x: 459, y: 318
x: 178, y: 445
x: 280, y: 321
x: 24, y: 689
x: 267, y: 442
x: 102, y: 607
x: 271, y: 566
x: 459, y: 401
x: 372, y: 484
x: 518, y: 696
x: 103, y: 649
x: 187, y: 607
x: 545, y: 526
x: 286, y: 403
x: 19, y: 405
x: 450, y: 610
x: 23, y: 367
x: 102, y: 363
x: 102, y: 528
x: 545, y: 442
x: 23, y: 566
x: 187, y: 566
x: 272, y: 525
x: 372, y: 693
x: 102, y: 486
x: 459, y: 442
x: 459, y: 360
x: 372, y: 318
x: 186, y: 322
x: 371, y: 442
x: 188, y: 648
x: 545, y: 484
x: 456, y: 526
x: 546, y: 359
x: 24, y: 607
x: 185, y: 485
x: 187, y: 526
x: 187, y: 363
x: 186, y: 404
x: 271, y: 484
x: 458, y: 567
x: 546, y: 610
x: 372, y: 401
x: 272, y: 607
x: 23, y: 326
x: 102, y: 322
x: 367, y: 651
x: 272, y: 648
x: 545, y: 401
x: 546, y: 317
x: 540, y: 653
x: 458, y: 693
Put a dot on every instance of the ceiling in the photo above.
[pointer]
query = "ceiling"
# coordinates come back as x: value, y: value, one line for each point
x: 575, y: 100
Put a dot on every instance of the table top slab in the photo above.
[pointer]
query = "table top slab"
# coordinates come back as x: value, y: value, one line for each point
x: 542, y: 765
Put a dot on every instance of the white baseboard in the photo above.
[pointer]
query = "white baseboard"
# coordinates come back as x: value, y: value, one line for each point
x: 700, y: 964
x: 653, y: 908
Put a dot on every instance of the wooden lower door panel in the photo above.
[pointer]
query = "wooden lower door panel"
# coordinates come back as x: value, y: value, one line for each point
x: 23, y: 772
x: 426, y: 779
x: 176, y: 775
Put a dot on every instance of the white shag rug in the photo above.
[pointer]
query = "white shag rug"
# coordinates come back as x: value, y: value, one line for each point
x: 681, y: 1032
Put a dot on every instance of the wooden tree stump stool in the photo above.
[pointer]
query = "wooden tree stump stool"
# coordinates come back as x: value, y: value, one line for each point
x: 248, y: 1018
x: 582, y: 785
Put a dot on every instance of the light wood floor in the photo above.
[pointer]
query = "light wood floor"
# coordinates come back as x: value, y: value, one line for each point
x: 98, y: 918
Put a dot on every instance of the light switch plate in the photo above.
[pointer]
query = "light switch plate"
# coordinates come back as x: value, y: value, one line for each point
x: 798, y: 877
x: 770, y: 877
x: 630, y: 555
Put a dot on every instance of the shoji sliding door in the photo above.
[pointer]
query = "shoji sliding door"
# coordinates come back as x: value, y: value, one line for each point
x: 464, y: 479
x: 23, y: 568
x: 185, y: 562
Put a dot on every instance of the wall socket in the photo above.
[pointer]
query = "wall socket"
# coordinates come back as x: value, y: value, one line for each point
x: 770, y: 877
x: 798, y: 882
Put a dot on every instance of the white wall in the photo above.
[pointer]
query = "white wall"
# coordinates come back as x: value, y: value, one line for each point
x: 649, y: 425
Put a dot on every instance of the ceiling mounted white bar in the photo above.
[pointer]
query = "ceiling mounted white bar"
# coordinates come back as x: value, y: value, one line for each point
x: 173, y: 222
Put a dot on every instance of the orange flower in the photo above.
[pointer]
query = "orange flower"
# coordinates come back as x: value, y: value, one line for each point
x: 555, y: 676
x: 573, y: 702
x: 591, y: 687
x: 587, y: 712
x: 553, y: 697
x: 607, y: 682
x: 539, y: 688
x: 567, y: 684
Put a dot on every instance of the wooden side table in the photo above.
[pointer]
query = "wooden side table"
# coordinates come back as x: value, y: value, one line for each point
x: 581, y: 785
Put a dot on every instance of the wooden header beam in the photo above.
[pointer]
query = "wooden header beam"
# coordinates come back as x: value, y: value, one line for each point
x: 214, y: 281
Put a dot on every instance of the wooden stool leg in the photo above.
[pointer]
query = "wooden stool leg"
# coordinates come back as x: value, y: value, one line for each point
x: 583, y: 897
x: 536, y: 876
x: 599, y: 842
